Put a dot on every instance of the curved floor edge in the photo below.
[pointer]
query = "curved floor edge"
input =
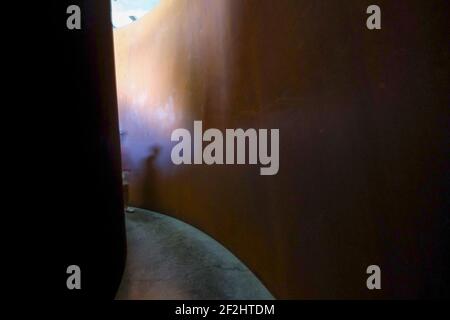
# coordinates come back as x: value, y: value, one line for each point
x: 169, y: 259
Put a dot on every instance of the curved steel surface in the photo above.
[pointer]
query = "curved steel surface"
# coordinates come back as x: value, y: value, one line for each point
x: 361, y: 139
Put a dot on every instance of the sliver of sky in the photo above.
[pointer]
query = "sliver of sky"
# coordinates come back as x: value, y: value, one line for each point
x: 124, y: 12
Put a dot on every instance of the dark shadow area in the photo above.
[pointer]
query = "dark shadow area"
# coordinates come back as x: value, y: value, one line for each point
x: 84, y: 218
x: 149, y: 190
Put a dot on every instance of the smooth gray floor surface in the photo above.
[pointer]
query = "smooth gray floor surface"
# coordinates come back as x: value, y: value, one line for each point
x: 169, y: 259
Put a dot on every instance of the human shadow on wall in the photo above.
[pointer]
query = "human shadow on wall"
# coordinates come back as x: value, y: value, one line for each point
x: 149, y: 186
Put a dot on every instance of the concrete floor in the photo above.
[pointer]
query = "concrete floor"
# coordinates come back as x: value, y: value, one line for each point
x: 169, y: 259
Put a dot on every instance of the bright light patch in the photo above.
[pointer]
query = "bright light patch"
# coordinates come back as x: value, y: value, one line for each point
x: 124, y: 12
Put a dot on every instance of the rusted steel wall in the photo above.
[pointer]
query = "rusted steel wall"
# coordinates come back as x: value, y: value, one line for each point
x: 361, y: 135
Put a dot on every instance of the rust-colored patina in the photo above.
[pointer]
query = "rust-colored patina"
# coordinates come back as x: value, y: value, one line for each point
x: 361, y: 139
